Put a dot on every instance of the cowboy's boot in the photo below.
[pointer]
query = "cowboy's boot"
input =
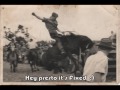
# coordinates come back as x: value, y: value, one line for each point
x: 63, y: 53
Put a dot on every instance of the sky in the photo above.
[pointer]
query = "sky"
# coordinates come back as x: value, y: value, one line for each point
x: 94, y: 21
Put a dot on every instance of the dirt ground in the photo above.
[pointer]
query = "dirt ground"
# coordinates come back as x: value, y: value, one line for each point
x: 24, y: 70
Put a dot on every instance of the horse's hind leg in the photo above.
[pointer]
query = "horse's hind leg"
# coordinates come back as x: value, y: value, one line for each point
x: 10, y: 67
x: 56, y: 68
x: 37, y: 66
x: 14, y: 66
x: 55, y: 71
x: 16, y: 63
x: 31, y: 67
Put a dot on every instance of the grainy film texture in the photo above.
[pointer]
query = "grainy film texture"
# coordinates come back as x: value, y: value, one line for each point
x: 59, y: 43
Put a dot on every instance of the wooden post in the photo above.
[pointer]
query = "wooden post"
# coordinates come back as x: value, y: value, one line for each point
x: 79, y: 57
x: 80, y: 62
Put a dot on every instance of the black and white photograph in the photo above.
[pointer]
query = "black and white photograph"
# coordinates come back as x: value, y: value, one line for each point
x: 59, y: 44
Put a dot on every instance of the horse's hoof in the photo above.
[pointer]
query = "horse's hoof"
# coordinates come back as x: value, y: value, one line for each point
x: 68, y: 72
x: 60, y: 71
x: 55, y: 72
x: 49, y: 69
x: 77, y: 74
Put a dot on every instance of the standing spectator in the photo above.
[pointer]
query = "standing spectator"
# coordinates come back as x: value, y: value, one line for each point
x: 113, y: 38
x: 112, y: 35
x: 96, y: 66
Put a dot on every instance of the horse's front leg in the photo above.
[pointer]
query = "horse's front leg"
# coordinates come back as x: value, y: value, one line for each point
x: 14, y: 67
x: 31, y: 65
x: 10, y: 66
x: 37, y: 65
x: 74, y: 61
x: 77, y: 67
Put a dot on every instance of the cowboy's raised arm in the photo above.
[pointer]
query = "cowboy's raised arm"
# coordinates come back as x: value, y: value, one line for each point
x: 37, y: 16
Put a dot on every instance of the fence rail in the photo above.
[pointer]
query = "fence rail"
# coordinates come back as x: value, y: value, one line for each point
x: 111, y: 69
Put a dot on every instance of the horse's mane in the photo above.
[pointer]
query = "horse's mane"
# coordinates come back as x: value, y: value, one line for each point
x: 73, y: 36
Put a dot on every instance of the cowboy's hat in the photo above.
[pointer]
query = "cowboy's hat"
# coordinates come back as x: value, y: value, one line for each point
x: 54, y: 14
x: 106, y: 43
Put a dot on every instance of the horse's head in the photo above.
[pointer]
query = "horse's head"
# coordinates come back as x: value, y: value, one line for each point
x: 90, y: 49
x: 85, y: 43
x: 89, y: 45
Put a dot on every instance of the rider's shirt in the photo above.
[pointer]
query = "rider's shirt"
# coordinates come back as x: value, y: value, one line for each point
x: 51, y: 25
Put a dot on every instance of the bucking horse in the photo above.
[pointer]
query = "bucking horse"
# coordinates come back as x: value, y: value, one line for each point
x: 72, y: 44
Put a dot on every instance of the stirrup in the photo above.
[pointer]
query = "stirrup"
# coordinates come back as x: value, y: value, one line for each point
x: 63, y: 53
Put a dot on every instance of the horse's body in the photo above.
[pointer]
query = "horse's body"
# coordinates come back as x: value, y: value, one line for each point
x: 13, y: 60
x: 72, y: 45
x: 52, y: 62
x: 33, y: 59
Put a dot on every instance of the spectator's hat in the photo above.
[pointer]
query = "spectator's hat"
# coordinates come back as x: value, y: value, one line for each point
x: 54, y: 14
x: 106, y: 43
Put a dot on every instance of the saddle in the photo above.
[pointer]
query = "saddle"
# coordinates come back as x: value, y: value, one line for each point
x: 67, y: 33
